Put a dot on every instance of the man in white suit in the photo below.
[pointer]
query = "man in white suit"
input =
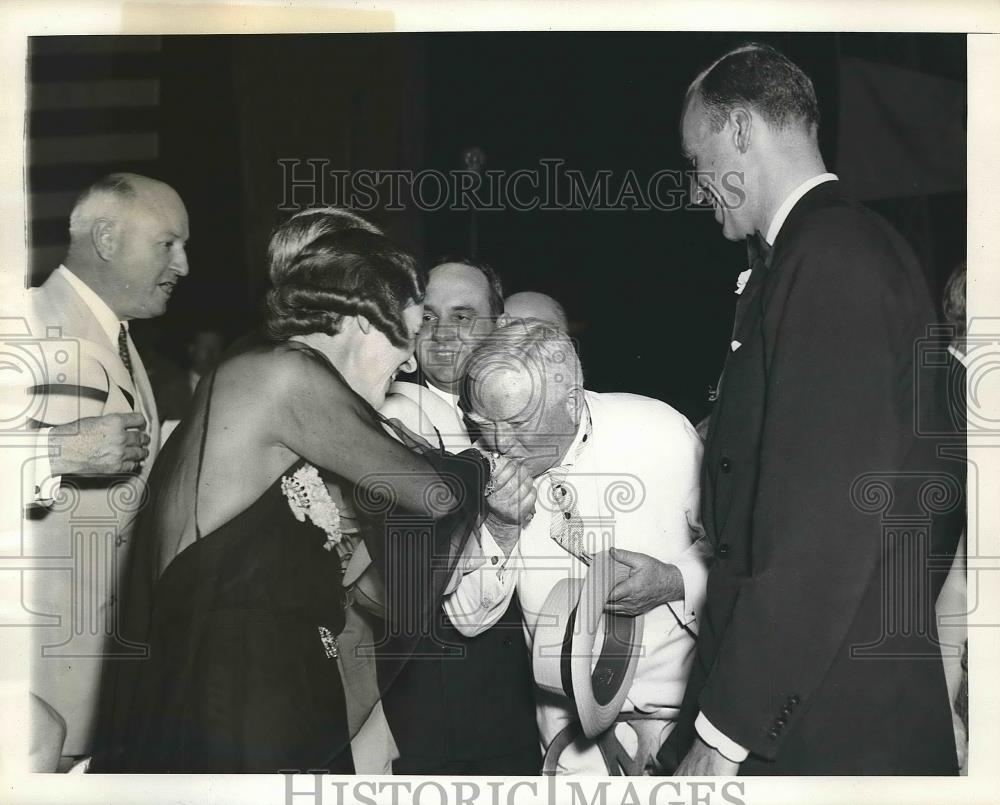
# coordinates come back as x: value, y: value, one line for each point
x: 126, y: 255
x: 614, y: 471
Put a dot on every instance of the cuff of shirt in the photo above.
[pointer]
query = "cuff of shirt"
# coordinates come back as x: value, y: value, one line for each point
x: 481, y: 551
x: 695, y: 575
x: 728, y: 748
x: 493, y: 555
x: 42, y: 486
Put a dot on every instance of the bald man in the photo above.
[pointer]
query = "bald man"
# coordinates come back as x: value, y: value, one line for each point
x: 533, y: 305
x: 126, y: 256
x: 587, y: 453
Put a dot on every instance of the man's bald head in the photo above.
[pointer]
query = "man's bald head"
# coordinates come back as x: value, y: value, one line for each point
x: 118, y: 196
x: 532, y: 305
x: 127, y: 237
x: 524, y: 389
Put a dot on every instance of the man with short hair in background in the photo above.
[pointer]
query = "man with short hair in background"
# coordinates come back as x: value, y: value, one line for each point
x: 533, y: 305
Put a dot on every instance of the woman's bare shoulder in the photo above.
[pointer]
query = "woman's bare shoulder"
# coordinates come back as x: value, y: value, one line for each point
x: 280, y: 370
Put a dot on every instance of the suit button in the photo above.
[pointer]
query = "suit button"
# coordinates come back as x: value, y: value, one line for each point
x: 780, y: 723
x: 725, y: 464
x: 773, y: 734
x: 506, y: 642
x: 723, y: 550
x: 793, y: 700
x: 494, y: 559
x: 786, y: 710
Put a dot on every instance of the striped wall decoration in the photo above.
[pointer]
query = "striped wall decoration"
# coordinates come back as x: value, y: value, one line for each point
x: 93, y: 108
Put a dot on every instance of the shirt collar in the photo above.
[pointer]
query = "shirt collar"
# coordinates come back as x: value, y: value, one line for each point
x: 583, y: 436
x: 959, y: 354
x: 105, y: 315
x: 790, y: 201
x: 448, y: 397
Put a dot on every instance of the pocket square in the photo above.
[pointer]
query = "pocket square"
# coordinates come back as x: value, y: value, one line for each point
x: 735, y: 345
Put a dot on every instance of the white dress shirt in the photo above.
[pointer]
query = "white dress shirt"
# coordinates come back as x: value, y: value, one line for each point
x: 709, y: 733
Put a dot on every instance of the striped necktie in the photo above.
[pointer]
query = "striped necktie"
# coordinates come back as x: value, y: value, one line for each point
x: 123, y: 352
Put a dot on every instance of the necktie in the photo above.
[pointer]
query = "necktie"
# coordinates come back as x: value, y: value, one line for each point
x: 123, y: 352
x: 759, y: 258
x: 565, y: 524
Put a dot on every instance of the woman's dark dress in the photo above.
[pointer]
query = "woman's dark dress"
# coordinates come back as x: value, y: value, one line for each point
x: 239, y: 680
x: 241, y: 674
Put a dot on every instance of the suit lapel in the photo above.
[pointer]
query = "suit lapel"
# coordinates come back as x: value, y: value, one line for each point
x: 59, y: 305
x: 748, y: 331
x: 145, y: 390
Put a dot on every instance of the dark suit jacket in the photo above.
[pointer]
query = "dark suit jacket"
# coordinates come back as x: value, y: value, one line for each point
x: 832, y: 516
x: 468, y: 699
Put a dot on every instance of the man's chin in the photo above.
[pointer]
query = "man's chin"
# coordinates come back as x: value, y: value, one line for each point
x: 730, y: 234
x: 441, y: 381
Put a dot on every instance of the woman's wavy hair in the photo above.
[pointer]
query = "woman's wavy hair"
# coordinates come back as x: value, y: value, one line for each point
x: 350, y: 271
x: 302, y: 228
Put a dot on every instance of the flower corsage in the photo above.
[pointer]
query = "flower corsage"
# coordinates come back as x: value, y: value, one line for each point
x: 308, y: 497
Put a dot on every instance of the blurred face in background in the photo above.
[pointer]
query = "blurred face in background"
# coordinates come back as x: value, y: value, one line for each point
x: 205, y: 351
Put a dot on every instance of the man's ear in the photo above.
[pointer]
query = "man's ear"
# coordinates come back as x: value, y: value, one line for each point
x: 742, y: 122
x: 105, y: 234
x: 574, y: 403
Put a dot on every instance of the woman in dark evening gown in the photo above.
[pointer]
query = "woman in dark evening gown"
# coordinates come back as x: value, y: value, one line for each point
x: 258, y: 502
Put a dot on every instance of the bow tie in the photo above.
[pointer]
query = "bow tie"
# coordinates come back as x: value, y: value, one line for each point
x: 758, y: 251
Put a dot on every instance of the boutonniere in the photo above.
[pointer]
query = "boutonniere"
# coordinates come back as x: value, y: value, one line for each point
x: 742, y: 279
x: 308, y: 497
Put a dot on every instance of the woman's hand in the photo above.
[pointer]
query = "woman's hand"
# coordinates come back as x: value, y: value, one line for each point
x: 512, y: 495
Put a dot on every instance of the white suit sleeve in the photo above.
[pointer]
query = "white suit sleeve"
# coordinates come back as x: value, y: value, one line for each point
x: 479, y: 597
x: 694, y: 570
x: 693, y: 562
